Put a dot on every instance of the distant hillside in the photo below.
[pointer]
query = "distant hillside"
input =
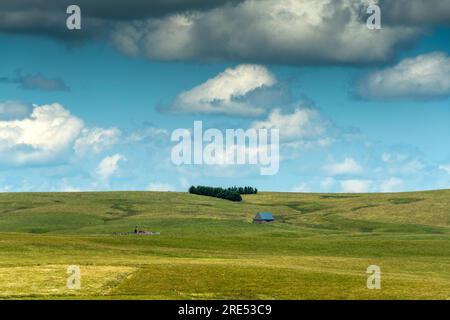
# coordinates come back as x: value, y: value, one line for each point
x: 319, y: 246
x: 113, y: 211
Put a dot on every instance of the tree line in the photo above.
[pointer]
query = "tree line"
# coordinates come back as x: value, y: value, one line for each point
x: 244, y: 190
x: 232, y: 194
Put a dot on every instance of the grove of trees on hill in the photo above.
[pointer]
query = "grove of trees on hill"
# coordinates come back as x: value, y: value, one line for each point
x: 232, y: 194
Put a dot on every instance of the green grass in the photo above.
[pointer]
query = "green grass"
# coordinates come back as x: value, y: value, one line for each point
x: 319, y: 247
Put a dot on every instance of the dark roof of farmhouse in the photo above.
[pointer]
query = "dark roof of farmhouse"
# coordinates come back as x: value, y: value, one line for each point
x: 264, y: 216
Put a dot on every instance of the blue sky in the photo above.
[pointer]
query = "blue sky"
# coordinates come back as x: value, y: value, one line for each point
x: 371, y: 107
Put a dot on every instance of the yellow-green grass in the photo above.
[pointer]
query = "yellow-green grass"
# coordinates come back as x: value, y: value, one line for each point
x: 319, y: 247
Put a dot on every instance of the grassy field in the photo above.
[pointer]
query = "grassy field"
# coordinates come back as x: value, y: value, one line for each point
x: 319, y: 247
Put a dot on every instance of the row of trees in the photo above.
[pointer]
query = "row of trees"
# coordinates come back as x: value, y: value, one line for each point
x: 244, y: 190
x: 232, y: 194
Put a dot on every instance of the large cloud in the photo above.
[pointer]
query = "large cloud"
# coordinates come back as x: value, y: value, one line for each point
x: 227, y: 93
x: 48, y: 17
x: 47, y: 131
x: 423, y: 77
x: 116, y: 10
x: 240, y: 30
x: 245, y: 30
x: 286, y: 31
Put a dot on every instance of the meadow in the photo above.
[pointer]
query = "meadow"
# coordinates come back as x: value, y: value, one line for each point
x: 319, y: 247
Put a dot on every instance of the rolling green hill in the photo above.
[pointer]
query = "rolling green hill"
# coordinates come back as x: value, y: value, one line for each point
x: 319, y: 247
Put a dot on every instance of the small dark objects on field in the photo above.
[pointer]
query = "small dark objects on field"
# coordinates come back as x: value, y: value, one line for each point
x: 137, y: 232
x: 141, y: 233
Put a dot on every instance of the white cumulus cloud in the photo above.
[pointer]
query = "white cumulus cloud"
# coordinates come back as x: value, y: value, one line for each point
x: 426, y: 76
x: 302, y: 123
x: 225, y: 93
x: 109, y: 166
x: 49, y: 130
x: 96, y: 140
